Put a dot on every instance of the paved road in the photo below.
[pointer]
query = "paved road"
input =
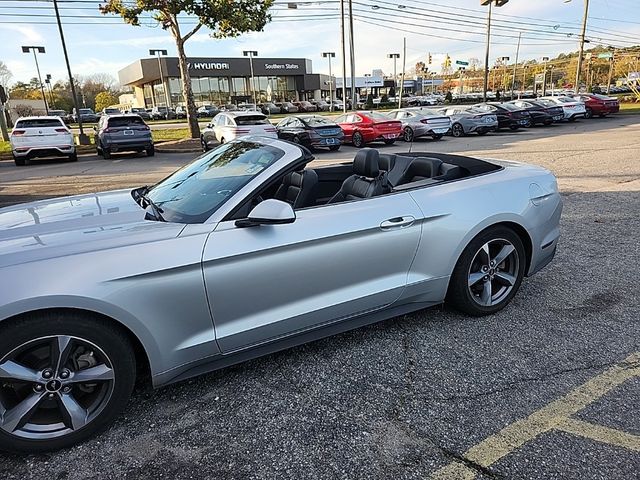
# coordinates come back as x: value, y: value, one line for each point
x: 546, y: 389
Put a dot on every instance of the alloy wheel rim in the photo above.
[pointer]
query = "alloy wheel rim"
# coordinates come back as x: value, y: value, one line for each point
x: 457, y: 130
x: 357, y: 139
x: 53, y: 386
x: 493, y: 272
x: 408, y: 134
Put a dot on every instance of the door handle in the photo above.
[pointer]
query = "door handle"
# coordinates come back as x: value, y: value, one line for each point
x: 397, y: 222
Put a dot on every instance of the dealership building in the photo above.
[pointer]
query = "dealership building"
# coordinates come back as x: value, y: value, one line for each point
x: 222, y: 81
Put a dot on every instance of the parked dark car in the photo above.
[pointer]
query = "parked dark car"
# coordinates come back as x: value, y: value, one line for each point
x: 311, y: 131
x: 305, y: 106
x: 553, y: 109
x: 287, y: 107
x: 538, y: 112
x: 118, y: 133
x: 140, y: 111
x: 162, y: 113
x: 207, y: 111
x: 86, y: 115
x: 322, y: 106
x: 269, y: 108
x: 64, y: 116
x: 509, y: 116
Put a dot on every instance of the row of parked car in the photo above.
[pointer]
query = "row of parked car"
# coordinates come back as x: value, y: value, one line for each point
x: 362, y: 127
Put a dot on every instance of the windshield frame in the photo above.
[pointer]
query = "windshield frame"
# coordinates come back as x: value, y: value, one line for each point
x: 290, y: 154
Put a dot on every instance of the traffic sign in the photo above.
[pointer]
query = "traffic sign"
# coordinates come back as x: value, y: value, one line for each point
x: 460, y: 62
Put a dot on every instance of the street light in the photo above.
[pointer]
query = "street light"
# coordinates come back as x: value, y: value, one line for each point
x: 330, y: 55
x: 251, y: 54
x: 484, y: 3
x: 167, y: 100
x: 395, y: 57
x: 47, y: 80
x: 35, y: 49
x: 504, y: 61
x: 544, y: 83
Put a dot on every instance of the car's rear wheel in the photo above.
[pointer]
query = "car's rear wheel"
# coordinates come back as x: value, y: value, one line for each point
x: 482, y: 131
x: 19, y: 161
x: 204, y: 144
x: 334, y: 148
x: 106, y: 153
x: 151, y: 151
x: 390, y: 141
x: 457, y: 130
x: 572, y: 119
x: 73, y: 157
x: 588, y: 113
x: 437, y: 136
x: 358, y: 140
x: 64, y: 377
x: 407, y: 134
x: 488, y: 273
x: 513, y: 128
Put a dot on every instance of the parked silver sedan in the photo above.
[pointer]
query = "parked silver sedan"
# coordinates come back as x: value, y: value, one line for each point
x: 465, y: 120
x: 246, y: 251
x: 421, y: 122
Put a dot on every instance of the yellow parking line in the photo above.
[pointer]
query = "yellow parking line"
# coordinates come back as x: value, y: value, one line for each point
x: 551, y: 416
x: 454, y: 471
x: 607, y: 435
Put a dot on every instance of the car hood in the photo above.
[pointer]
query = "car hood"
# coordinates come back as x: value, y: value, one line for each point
x: 76, y: 224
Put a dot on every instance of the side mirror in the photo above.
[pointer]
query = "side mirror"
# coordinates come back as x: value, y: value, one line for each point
x: 268, y: 212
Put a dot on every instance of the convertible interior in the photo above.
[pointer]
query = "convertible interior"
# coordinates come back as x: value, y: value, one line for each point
x: 370, y: 174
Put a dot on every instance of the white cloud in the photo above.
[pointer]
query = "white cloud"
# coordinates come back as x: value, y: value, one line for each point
x: 28, y: 33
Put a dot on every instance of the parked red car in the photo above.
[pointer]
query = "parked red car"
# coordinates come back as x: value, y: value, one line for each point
x: 361, y: 128
x: 598, y: 104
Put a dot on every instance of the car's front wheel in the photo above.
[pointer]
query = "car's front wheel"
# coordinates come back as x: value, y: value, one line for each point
x: 64, y: 377
x: 488, y: 273
x: 150, y: 151
x: 457, y: 130
x: 19, y: 161
x: 407, y: 134
x: 588, y: 113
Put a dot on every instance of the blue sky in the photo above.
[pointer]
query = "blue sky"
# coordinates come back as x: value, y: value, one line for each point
x: 106, y: 44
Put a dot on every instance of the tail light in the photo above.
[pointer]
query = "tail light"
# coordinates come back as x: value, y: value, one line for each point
x: 424, y: 121
x: 62, y: 130
x: 17, y: 133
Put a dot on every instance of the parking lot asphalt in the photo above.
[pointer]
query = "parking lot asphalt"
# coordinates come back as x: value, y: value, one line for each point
x: 547, y: 388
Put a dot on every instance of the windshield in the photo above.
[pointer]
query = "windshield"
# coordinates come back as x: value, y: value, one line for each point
x: 510, y: 106
x: 125, y: 121
x: 251, y: 120
x: 377, y: 116
x: 85, y: 110
x: 194, y: 192
x: 566, y: 100
x: 546, y: 103
x: 38, y: 123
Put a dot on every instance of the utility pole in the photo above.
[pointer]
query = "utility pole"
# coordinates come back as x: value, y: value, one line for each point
x: 82, y: 138
x: 515, y: 66
x: 581, y: 52
x: 404, y: 62
x: 544, y: 83
x: 354, y: 100
x: 610, y: 72
x: 344, y: 59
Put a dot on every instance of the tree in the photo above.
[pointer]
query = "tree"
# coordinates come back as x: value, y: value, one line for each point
x: 225, y: 18
x: 5, y: 74
x: 104, y: 100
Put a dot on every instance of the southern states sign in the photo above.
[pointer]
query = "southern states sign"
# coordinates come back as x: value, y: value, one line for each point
x: 362, y: 82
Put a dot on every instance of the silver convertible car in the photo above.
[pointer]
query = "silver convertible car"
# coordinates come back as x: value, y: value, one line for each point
x: 245, y: 251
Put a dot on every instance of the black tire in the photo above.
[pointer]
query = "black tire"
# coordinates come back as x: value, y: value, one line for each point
x: 204, y: 144
x: 334, y: 148
x: 513, y: 128
x: 572, y: 119
x: 151, y: 151
x: 459, y: 294
x: 437, y: 136
x: 457, y: 130
x: 20, y: 161
x: 588, y: 113
x: 482, y: 132
x: 73, y: 157
x: 407, y: 134
x: 357, y: 139
x: 108, y: 339
x: 548, y: 122
x: 222, y: 141
x: 390, y: 141
x: 602, y: 115
x: 106, y: 153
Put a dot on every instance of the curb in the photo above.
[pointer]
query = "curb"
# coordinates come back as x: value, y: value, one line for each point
x: 173, y: 150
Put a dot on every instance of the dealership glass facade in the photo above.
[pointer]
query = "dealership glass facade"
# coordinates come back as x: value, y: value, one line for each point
x: 223, y: 90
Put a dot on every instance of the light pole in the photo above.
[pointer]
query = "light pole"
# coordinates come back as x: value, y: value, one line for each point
x: 354, y: 99
x: 251, y: 54
x: 35, y: 49
x: 395, y: 57
x: 47, y: 80
x: 515, y: 66
x: 344, y: 59
x: 498, y: 3
x: 82, y: 138
x: 504, y: 61
x: 461, y: 69
x: 544, y: 83
x: 330, y: 55
x: 167, y: 100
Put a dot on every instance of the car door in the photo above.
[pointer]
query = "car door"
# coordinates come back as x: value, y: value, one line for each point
x: 334, y: 262
x: 283, y: 129
x: 346, y: 123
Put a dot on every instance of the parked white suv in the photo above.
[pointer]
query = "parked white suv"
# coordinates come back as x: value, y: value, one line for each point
x: 41, y: 137
x: 227, y: 126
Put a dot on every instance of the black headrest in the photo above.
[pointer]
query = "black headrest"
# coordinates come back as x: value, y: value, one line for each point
x: 424, y: 167
x: 366, y: 163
